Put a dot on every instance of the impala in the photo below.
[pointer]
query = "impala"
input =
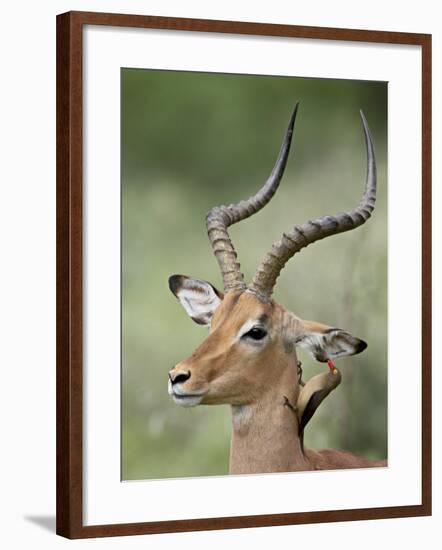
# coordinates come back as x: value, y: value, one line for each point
x: 249, y: 358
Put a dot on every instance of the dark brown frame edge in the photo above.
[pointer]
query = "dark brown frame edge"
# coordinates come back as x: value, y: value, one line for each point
x: 69, y: 273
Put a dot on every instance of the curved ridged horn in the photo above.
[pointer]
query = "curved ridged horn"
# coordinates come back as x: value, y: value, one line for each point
x: 220, y: 218
x: 303, y: 235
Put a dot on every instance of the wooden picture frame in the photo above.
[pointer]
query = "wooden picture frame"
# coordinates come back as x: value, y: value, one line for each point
x: 70, y: 283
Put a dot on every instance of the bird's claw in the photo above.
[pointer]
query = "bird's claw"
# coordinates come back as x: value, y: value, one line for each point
x: 301, y: 383
x: 289, y: 405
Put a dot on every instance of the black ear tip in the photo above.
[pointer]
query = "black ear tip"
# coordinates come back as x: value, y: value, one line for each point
x: 361, y: 346
x: 175, y: 283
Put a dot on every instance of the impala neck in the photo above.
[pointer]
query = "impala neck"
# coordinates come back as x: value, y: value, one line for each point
x: 265, y: 433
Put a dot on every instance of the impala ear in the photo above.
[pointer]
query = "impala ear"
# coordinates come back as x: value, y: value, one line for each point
x: 324, y: 342
x: 199, y: 298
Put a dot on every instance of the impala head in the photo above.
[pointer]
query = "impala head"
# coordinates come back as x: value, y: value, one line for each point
x: 252, y: 341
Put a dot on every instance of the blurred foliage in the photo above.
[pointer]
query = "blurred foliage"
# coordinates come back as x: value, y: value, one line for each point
x: 194, y: 140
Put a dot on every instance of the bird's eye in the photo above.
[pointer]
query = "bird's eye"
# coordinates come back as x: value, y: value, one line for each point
x: 255, y: 333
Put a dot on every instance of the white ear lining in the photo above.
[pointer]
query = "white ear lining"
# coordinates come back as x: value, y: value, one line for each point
x: 198, y: 298
x: 199, y: 306
x: 331, y: 344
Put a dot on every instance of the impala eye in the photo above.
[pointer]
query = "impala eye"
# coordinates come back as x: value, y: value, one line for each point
x: 255, y: 333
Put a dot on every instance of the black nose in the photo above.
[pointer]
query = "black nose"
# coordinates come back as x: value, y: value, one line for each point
x: 178, y: 377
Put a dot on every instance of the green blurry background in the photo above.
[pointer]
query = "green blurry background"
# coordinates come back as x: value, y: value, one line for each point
x: 191, y: 141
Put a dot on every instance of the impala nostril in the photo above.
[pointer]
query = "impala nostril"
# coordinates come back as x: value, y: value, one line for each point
x: 180, y: 377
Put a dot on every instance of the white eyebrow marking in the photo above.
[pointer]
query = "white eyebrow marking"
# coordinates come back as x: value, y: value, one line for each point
x: 247, y: 326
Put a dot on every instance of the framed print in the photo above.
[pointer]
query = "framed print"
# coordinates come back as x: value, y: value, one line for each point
x: 299, y: 390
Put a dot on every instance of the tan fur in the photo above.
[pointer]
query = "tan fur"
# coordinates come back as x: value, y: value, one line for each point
x: 261, y: 383
x: 332, y: 459
x: 257, y: 372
